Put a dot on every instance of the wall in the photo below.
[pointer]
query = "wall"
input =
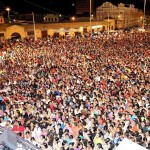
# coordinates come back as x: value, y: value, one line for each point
x: 51, y: 32
x: 38, y: 33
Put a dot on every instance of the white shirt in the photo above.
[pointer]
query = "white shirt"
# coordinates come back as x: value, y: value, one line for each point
x: 3, y: 124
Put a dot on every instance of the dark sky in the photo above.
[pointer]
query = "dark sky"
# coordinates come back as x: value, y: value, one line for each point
x: 60, y: 6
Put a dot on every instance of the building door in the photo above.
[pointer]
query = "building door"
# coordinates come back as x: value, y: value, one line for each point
x: 92, y: 31
x: 84, y: 30
x: 56, y: 34
x: 1, y: 36
x: 66, y: 33
x: 44, y: 34
x: 103, y: 28
x: 77, y: 33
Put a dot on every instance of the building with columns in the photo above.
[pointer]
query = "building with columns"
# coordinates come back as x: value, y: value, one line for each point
x: 125, y: 15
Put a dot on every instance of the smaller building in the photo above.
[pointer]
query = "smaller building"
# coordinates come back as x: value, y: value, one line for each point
x: 9, y: 31
x: 29, y: 17
x: 51, y: 18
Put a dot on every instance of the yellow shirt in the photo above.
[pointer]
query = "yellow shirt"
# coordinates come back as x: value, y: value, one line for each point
x: 97, y: 140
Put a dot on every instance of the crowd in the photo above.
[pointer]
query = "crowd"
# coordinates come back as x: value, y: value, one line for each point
x: 80, y: 93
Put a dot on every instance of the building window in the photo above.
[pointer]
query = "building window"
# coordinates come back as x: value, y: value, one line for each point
x: 55, y: 19
x: 51, y: 19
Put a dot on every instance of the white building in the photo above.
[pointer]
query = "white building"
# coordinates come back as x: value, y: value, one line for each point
x: 124, y: 15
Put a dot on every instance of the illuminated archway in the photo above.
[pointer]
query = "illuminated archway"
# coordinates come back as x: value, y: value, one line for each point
x: 15, y: 35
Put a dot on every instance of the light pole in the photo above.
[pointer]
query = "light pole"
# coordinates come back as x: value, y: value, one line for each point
x: 108, y: 22
x: 8, y: 10
x: 34, y: 27
x: 107, y: 14
x: 124, y: 19
x: 91, y: 16
x: 144, y: 14
x: 128, y: 19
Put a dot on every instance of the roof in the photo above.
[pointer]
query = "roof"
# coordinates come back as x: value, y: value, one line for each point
x: 64, y: 25
x: 45, y: 26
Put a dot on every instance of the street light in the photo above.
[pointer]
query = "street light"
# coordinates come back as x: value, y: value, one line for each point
x: 34, y: 27
x: 73, y: 18
x: 8, y: 10
x: 108, y: 20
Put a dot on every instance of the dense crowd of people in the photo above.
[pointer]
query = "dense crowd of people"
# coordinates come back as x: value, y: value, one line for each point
x: 80, y: 93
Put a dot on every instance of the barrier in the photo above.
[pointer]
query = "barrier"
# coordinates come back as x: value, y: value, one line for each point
x: 10, y: 140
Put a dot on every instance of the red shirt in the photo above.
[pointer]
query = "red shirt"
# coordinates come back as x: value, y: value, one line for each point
x: 52, y: 107
x: 15, y: 128
x: 21, y: 128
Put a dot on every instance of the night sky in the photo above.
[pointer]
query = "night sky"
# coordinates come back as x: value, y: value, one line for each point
x: 66, y: 7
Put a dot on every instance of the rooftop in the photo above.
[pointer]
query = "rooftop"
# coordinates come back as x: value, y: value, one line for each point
x: 55, y: 25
